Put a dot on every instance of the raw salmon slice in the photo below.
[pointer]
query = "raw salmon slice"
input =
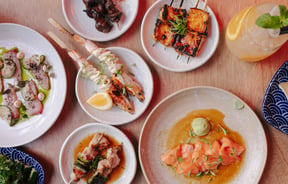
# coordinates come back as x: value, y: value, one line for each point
x: 202, y: 156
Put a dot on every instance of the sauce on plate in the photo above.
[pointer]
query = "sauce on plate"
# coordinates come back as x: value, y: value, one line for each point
x: 117, y: 172
x: 179, y: 134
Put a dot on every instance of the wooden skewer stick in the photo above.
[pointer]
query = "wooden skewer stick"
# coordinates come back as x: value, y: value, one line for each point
x: 205, y: 4
x: 62, y: 44
x: 181, y: 3
x: 171, y: 3
x: 196, y: 4
x: 75, y: 37
x: 58, y: 41
x: 59, y: 27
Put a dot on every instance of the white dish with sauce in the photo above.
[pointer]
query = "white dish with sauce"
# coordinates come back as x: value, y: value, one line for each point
x: 66, y: 157
x: 85, y: 88
x: 153, y: 138
x: 31, y: 42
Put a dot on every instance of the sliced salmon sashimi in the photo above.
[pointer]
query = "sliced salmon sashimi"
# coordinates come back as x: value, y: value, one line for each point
x: 203, y: 156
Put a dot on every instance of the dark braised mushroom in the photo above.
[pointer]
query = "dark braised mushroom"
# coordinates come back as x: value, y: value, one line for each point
x: 103, y: 25
x: 104, y: 12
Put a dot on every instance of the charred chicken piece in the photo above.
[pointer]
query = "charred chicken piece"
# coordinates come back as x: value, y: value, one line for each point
x: 163, y: 33
x: 197, y: 20
x: 188, y: 44
x: 80, y: 167
x: 169, y: 13
x: 106, y: 166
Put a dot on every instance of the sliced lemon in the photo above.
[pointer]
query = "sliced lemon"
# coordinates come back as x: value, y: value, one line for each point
x: 100, y: 101
x: 235, y: 25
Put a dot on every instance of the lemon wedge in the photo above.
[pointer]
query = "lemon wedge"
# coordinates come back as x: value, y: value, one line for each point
x: 235, y: 25
x: 100, y: 101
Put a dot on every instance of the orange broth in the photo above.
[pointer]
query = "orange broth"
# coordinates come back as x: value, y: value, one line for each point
x: 117, y: 172
x: 179, y: 134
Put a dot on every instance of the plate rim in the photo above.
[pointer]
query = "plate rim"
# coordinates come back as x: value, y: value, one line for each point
x: 95, y: 124
x: 103, y: 39
x: 38, y: 34
x: 177, y: 69
x: 193, y: 88
x: 134, y: 117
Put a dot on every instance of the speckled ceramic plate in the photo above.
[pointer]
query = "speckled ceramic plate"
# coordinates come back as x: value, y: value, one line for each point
x: 167, y: 58
x: 153, y: 138
x: 275, y: 103
x: 66, y: 158
x: 85, y: 26
x: 115, y: 116
x: 24, y: 158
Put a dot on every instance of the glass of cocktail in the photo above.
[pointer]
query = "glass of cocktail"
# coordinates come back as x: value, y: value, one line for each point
x: 250, y: 42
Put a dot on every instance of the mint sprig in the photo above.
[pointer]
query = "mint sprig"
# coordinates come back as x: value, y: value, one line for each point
x: 274, y: 22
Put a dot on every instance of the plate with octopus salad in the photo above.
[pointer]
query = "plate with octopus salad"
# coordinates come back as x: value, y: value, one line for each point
x: 91, y: 148
x: 172, y: 38
x: 133, y: 106
x: 100, y: 20
x: 29, y: 104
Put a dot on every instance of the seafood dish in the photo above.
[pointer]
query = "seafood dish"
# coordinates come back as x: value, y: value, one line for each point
x: 24, y: 85
x: 183, y: 30
x: 119, y: 82
x: 14, y: 171
x: 104, y: 12
x: 209, y: 148
x: 97, y: 160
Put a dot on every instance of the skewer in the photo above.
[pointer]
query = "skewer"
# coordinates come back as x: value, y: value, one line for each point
x: 65, y: 31
x: 58, y: 41
x: 171, y: 3
x: 181, y: 3
x: 113, y: 62
x: 94, y: 74
x: 205, y: 4
x: 196, y: 4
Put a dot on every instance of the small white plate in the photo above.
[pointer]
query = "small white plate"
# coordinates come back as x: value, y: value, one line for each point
x: 31, y: 42
x: 153, y: 136
x: 115, y: 116
x: 167, y: 57
x: 66, y: 157
x: 85, y: 26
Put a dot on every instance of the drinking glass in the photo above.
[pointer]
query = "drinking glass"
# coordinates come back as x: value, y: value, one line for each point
x: 250, y: 42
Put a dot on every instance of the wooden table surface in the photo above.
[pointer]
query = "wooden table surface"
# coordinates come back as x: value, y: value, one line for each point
x: 246, y: 80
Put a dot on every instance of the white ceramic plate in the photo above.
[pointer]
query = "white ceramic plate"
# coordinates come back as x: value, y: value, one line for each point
x: 153, y: 137
x: 85, y: 26
x: 31, y: 42
x: 115, y: 116
x: 167, y: 57
x: 66, y: 158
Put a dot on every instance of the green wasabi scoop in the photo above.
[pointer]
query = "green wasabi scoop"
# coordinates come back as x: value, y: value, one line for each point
x: 200, y: 126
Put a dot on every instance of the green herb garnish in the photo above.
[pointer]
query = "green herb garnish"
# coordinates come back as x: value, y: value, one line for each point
x: 274, y: 22
x: 12, y: 171
x: 223, y: 129
x: 179, y: 26
x: 220, y: 159
x: 200, y: 174
x: 180, y: 159
x: 94, y: 163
